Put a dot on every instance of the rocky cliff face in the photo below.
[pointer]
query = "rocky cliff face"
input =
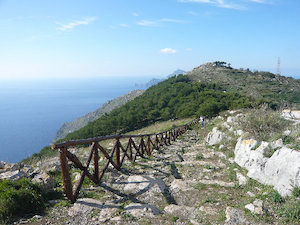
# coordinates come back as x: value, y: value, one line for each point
x: 107, y: 107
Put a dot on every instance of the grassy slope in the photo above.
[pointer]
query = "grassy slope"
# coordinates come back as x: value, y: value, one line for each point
x: 176, y: 97
x: 265, y: 85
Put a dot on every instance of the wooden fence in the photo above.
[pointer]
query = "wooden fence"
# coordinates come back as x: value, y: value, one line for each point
x: 116, y: 156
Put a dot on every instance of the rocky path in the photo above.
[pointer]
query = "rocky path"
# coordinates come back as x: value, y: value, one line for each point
x: 185, y: 183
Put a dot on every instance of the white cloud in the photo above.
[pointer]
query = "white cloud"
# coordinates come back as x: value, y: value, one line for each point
x: 166, y: 20
x: 198, y: 1
x: 135, y: 14
x: 217, y: 3
x: 124, y: 25
x: 71, y: 25
x: 192, y: 13
x: 168, y: 51
x: 258, y: 1
x: 151, y: 23
x: 147, y: 23
x: 189, y: 49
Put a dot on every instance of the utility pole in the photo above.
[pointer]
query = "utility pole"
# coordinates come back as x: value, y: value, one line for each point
x: 278, y: 67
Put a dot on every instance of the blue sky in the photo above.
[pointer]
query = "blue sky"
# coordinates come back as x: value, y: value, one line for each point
x: 94, y: 38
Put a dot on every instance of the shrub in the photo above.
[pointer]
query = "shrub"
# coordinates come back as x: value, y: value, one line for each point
x: 20, y: 197
x: 263, y: 124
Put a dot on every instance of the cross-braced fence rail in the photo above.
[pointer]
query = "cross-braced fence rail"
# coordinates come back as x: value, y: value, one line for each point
x: 115, y: 156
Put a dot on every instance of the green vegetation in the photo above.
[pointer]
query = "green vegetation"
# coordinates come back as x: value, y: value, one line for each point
x: 176, y: 97
x: 45, y: 153
x: 21, y: 197
x: 263, y: 124
x: 268, y: 87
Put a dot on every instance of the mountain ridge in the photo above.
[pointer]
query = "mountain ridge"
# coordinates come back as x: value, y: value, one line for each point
x: 107, y: 107
x: 273, y: 88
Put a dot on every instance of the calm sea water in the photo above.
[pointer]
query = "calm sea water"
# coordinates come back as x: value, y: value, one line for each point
x: 32, y: 111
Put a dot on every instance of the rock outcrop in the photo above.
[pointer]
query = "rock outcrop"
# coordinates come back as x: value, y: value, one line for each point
x: 215, y: 137
x: 291, y: 114
x: 282, y: 169
x: 15, y: 171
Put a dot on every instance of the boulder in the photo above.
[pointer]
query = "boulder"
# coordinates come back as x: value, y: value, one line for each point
x: 44, y: 179
x: 238, y: 132
x: 242, y: 151
x: 12, y: 175
x: 235, y: 217
x: 277, y: 144
x: 257, y: 207
x: 215, y: 137
x: 290, y: 114
x: 282, y: 169
x: 242, y: 179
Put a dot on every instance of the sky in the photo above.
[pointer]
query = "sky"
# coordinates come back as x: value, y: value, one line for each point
x: 112, y: 38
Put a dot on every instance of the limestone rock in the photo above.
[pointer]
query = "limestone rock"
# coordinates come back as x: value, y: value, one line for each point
x: 235, y: 217
x: 138, y: 183
x: 230, y: 119
x: 277, y: 144
x: 243, y: 151
x: 250, y: 194
x: 256, y: 207
x: 184, y: 212
x: 208, y: 210
x: 215, y: 137
x: 242, y: 179
x: 238, y: 133
x: 6, y: 166
x: 282, y: 171
x: 182, y: 185
x: 140, y: 210
x: 44, y: 179
x: 12, y: 175
x: 290, y: 114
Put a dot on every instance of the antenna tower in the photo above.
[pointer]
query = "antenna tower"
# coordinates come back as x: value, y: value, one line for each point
x: 278, y: 66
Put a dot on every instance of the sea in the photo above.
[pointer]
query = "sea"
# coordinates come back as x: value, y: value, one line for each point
x: 31, y: 111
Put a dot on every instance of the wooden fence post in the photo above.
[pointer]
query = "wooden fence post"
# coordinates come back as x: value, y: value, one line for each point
x: 148, y: 146
x: 96, y: 163
x: 66, y: 174
x: 117, y: 160
x: 130, y: 148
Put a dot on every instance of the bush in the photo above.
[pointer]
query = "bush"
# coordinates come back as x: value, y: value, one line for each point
x: 21, y: 197
x: 263, y: 124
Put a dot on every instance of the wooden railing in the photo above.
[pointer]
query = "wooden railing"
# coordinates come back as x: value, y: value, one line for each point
x: 115, y: 157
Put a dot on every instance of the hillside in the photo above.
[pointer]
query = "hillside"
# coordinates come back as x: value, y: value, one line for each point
x: 197, y: 179
x: 176, y: 97
x: 107, y: 107
x: 273, y: 88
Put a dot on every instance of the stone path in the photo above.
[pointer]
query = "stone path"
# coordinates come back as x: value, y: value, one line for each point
x: 185, y: 183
